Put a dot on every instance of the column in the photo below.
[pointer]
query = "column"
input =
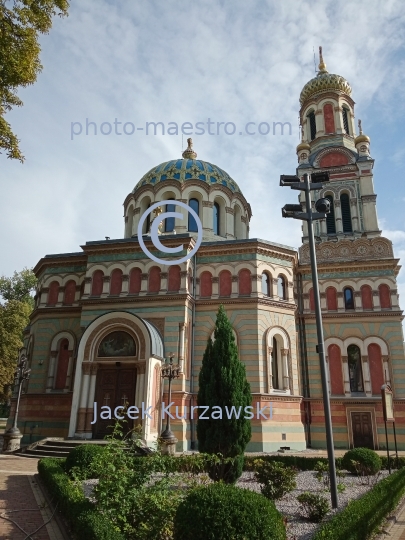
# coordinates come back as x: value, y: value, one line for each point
x: 346, y: 376
x: 306, y: 306
x: 61, y: 294
x: 69, y: 371
x: 90, y: 399
x: 215, y: 287
x: 207, y: 217
x: 230, y: 222
x: 376, y: 301
x: 286, y: 378
x: 163, y: 282
x: 137, y: 216
x: 87, y: 286
x: 183, y: 282
x: 323, y: 301
x: 366, y: 375
x: 197, y: 287
x: 322, y: 223
x: 320, y: 129
x: 338, y: 120
x: 328, y: 373
x: 274, y: 283
x: 338, y: 217
x: 340, y: 301
x: 44, y: 296
x: 106, y: 286
x: 235, y: 292
x: 182, y: 330
x: 269, y: 371
x: 394, y: 298
x: 354, y: 214
x: 369, y: 212
x: 125, y: 284
x: 81, y: 413
x: 387, y: 376
x: 181, y: 225
x: 77, y: 293
x: 144, y: 285
x: 51, y: 371
x: 140, y: 386
x: 357, y: 300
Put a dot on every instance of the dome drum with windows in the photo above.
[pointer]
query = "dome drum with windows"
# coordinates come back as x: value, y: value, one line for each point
x: 206, y: 188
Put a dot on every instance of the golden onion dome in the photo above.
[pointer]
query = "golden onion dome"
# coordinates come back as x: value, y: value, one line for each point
x: 323, y: 82
x: 361, y: 137
x: 303, y: 146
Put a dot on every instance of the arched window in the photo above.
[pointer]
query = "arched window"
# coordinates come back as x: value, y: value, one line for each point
x: 206, y: 284
x: 266, y: 290
x: 376, y: 368
x: 335, y: 370
x: 385, y: 296
x: 216, y: 215
x: 346, y: 215
x: 245, y: 282
x: 281, y: 288
x: 147, y: 222
x: 331, y: 299
x: 329, y: 119
x: 97, y: 283
x: 192, y: 224
x: 116, y: 282
x: 154, y: 279
x: 355, y: 370
x: 169, y: 222
x: 70, y: 292
x: 174, y: 278
x: 225, y: 283
x: 348, y: 298
x: 330, y: 218
x: 135, y: 281
x: 366, y: 297
x: 63, y: 364
x: 275, y: 371
x: 312, y: 125
x: 53, y: 293
x: 345, y: 115
x: 311, y: 299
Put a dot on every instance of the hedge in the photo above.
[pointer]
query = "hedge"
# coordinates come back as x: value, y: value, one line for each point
x: 80, y: 513
x: 363, y: 516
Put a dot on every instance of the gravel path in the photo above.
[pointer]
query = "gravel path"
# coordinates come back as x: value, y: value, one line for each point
x: 298, y: 528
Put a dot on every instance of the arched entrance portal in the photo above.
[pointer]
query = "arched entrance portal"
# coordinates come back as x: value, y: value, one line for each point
x: 118, y: 359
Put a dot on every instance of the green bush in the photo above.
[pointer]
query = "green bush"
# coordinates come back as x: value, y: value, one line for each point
x: 81, y: 514
x: 315, y: 506
x: 225, y: 512
x: 362, y: 461
x: 226, y: 469
x: 276, y: 478
x: 81, y: 459
x: 301, y: 463
x: 362, y: 517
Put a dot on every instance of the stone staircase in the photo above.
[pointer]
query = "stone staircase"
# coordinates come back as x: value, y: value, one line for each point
x: 53, y: 447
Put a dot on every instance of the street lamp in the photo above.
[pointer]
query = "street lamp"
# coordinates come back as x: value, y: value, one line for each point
x: 169, y: 371
x: 12, y: 437
x: 322, y: 207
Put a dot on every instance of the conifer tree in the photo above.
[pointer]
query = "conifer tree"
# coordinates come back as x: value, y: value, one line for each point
x: 223, y: 383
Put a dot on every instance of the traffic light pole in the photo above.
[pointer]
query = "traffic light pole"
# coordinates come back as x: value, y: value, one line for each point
x: 321, y: 347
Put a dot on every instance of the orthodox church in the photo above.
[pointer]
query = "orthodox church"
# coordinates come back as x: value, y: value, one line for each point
x: 107, y: 316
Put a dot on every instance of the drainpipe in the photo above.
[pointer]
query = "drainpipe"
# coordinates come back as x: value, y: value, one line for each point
x: 304, y: 360
x: 192, y: 423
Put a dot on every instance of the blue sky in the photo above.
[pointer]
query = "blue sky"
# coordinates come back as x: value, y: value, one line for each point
x: 189, y: 61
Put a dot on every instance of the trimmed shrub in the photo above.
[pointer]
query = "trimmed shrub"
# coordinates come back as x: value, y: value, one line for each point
x: 362, y: 461
x: 226, y: 469
x: 276, y: 478
x: 81, y: 514
x: 81, y: 459
x: 315, y: 506
x: 299, y: 462
x: 362, y: 517
x: 224, y: 512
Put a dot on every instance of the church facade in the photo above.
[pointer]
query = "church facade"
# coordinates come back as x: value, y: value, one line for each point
x: 106, y: 317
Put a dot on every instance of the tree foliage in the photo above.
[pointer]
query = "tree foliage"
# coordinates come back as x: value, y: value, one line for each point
x: 21, y: 22
x: 223, y: 383
x: 14, y: 317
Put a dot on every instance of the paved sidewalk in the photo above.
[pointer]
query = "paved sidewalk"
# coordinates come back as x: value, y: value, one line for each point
x: 22, y: 501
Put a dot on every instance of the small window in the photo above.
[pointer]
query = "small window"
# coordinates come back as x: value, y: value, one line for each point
x: 169, y: 222
x: 312, y: 124
x: 274, y: 365
x: 266, y: 284
x: 348, y: 298
x: 355, y: 370
x: 147, y: 222
x: 345, y: 116
x: 281, y: 288
x: 330, y: 218
x: 346, y: 214
x: 216, y: 212
x: 192, y: 224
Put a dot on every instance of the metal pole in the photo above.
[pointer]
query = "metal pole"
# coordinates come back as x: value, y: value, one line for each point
x: 17, y: 406
x: 395, y: 439
x: 321, y: 351
x: 388, y: 452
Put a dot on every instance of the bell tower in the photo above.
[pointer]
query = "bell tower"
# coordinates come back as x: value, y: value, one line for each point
x: 357, y: 272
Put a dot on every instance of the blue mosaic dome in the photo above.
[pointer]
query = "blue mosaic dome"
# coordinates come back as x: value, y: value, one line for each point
x: 188, y: 168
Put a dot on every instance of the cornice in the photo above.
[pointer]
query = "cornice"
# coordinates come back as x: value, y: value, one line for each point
x: 354, y: 315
